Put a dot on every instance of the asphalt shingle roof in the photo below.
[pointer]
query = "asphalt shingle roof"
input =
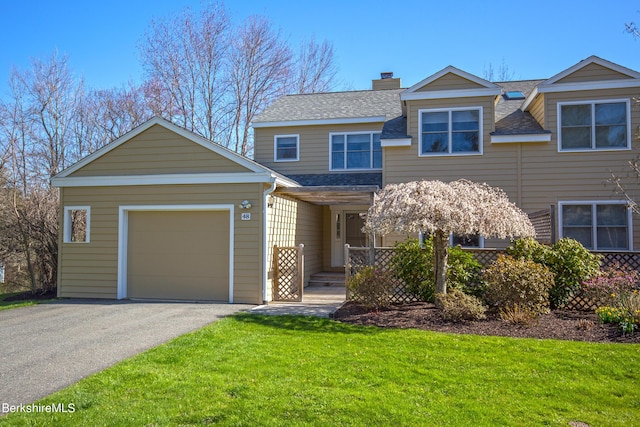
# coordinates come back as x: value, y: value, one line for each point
x: 334, y: 179
x: 510, y: 119
x: 334, y: 105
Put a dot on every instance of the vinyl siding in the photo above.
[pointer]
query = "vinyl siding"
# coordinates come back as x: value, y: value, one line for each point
x: 91, y: 269
x: 592, y: 72
x: 450, y: 81
x: 158, y: 151
x: 537, y: 109
x: 314, y: 146
x: 291, y: 222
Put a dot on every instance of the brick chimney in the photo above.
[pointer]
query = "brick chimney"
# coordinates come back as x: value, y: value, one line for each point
x: 386, y: 81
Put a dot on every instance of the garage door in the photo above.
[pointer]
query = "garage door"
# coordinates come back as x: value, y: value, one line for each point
x: 182, y: 255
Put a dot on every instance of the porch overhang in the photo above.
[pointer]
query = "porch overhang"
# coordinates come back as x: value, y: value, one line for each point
x: 332, y: 195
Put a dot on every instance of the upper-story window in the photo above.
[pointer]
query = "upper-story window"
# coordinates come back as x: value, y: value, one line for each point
x: 355, y: 150
x: 594, y: 125
x: 453, y: 131
x: 286, y: 148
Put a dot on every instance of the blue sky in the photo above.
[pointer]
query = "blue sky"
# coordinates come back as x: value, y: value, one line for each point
x: 414, y: 39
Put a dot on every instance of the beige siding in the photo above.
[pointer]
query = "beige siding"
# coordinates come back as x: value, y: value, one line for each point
x: 592, y: 72
x: 90, y: 269
x: 450, y: 81
x: 314, y: 146
x: 158, y: 151
x: 291, y: 222
x: 537, y: 109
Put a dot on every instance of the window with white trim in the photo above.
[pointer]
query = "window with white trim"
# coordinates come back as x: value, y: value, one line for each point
x: 594, y: 125
x: 77, y: 221
x: 355, y: 150
x: 597, y: 225
x: 286, y: 148
x: 453, y: 131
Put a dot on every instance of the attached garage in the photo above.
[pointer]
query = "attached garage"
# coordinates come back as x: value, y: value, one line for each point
x: 178, y: 255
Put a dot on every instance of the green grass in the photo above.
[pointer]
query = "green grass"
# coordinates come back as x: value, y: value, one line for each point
x: 5, y: 305
x: 250, y: 370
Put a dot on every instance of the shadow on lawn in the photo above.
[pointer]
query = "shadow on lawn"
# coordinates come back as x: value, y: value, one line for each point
x: 304, y: 323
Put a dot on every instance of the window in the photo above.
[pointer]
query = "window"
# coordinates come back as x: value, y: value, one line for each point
x: 361, y: 150
x: 1, y: 273
x: 601, y: 125
x: 514, y: 94
x: 467, y: 241
x: 286, y: 148
x: 77, y: 224
x: 452, y: 131
x: 597, y: 225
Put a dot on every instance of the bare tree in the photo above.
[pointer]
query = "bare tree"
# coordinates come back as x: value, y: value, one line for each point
x: 503, y: 74
x: 314, y: 67
x: 259, y: 70
x: 183, y: 58
x: 460, y: 207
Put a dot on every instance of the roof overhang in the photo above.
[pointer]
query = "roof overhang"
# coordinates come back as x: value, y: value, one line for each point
x: 532, y: 137
x: 333, y: 195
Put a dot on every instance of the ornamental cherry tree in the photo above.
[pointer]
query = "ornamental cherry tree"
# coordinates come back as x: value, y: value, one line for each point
x: 460, y: 207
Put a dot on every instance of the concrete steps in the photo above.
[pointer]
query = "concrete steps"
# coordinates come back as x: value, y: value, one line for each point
x: 327, y: 279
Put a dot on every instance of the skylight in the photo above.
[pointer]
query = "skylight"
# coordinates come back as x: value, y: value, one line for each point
x: 514, y: 94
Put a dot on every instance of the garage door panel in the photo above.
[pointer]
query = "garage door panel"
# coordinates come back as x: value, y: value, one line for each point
x: 178, y: 255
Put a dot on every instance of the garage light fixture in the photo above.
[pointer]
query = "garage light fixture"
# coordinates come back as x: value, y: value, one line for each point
x: 245, y: 204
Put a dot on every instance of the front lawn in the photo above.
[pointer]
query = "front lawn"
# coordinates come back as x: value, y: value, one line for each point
x: 281, y: 370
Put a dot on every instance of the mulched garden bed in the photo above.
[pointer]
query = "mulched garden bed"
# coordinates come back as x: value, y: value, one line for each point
x: 560, y: 324
x: 28, y: 295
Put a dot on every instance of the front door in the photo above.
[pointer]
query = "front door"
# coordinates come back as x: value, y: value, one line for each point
x: 346, y: 227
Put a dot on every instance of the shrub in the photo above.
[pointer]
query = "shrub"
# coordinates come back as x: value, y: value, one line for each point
x: 457, y: 306
x: 371, y: 287
x: 414, y: 266
x: 625, y: 311
x: 517, y: 314
x: 605, y: 288
x: 569, y: 261
x: 523, y: 282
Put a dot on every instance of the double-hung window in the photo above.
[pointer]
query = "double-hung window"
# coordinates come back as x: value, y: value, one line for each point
x: 594, y: 125
x: 454, y: 131
x: 597, y: 225
x: 355, y: 150
x: 286, y: 148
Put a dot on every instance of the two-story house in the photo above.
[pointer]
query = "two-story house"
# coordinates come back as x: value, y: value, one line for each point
x: 162, y: 209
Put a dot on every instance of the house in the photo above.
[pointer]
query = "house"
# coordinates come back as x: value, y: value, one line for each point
x: 164, y: 213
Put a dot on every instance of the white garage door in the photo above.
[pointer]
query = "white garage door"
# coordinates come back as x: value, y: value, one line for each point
x: 181, y: 255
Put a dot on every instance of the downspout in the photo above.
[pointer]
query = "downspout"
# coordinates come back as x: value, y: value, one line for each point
x: 265, y: 264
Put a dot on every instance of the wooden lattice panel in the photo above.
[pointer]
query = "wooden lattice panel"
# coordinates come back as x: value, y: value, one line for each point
x: 287, y: 285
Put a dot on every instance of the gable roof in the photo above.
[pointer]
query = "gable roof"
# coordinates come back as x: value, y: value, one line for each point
x: 256, y: 173
x: 364, y: 106
x: 554, y: 84
x: 485, y: 87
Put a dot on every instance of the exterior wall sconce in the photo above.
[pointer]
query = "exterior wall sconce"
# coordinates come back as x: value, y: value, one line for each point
x: 270, y: 201
x: 245, y: 204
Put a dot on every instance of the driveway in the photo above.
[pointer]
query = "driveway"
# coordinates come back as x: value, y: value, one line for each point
x: 47, y: 347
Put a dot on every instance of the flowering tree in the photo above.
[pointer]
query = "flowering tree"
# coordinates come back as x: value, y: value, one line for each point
x: 460, y: 207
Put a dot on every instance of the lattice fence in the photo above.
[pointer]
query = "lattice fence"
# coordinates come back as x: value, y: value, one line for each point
x: 288, y: 273
x: 542, y: 221
x: 359, y: 258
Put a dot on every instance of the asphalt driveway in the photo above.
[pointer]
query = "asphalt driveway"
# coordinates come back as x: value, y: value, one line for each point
x: 47, y: 347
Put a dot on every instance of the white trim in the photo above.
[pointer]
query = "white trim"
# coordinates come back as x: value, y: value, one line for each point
x: 66, y: 235
x: 594, y: 226
x: 449, y: 152
x: 336, y: 121
x: 453, y: 93
x: 265, y: 241
x: 395, y: 142
x: 123, y: 237
x: 345, y: 169
x: 212, y: 146
x: 532, y: 137
x: 275, y: 148
x: 166, y: 179
x: 592, y: 103
x: 595, y: 85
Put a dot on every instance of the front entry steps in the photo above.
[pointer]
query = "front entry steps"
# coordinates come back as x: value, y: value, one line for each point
x: 327, y: 279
